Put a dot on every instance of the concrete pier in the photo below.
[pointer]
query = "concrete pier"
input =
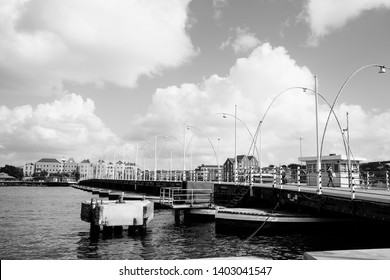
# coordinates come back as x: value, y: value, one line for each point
x: 364, y: 254
x: 112, y: 216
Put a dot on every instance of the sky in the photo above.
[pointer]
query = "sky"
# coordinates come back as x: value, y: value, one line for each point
x: 137, y: 80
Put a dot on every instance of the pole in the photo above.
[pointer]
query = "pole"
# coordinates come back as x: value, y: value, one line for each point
x: 136, y: 163
x: 184, y: 153
x: 155, y: 159
x: 219, y: 171
x: 170, y: 168
x: 235, y: 146
x: 350, y: 184
x: 319, y: 183
x: 260, y: 155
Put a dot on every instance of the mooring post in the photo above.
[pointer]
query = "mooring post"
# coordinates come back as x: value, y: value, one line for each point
x: 187, y: 216
x: 118, y: 231
x: 108, y: 231
x: 177, y: 216
x: 94, y: 229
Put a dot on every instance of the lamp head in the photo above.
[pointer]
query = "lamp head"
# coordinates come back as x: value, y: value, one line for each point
x: 382, y: 69
x: 224, y: 116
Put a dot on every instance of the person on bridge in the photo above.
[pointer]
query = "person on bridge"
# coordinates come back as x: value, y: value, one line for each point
x: 330, y: 177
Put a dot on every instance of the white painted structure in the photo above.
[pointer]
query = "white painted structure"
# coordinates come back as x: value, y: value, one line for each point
x: 339, y: 165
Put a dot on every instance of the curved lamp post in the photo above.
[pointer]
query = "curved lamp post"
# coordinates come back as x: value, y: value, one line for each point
x: 190, y: 127
x: 382, y: 70
x: 224, y: 115
x: 318, y: 167
x: 155, y: 153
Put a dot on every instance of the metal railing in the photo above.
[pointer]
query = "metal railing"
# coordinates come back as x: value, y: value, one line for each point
x: 186, y: 197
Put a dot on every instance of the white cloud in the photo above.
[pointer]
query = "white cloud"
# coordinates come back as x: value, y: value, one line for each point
x: 253, y: 83
x: 67, y: 126
x: 218, y: 5
x: 45, y: 42
x: 244, y: 41
x: 327, y: 16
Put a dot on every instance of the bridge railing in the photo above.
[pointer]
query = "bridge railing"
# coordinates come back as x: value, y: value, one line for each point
x: 357, y: 179
x: 191, y: 197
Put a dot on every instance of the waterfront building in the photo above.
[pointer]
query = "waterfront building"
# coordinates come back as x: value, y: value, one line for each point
x: 50, y: 165
x: 206, y: 172
x: 244, y: 165
x: 339, y: 166
x: 86, y: 169
x: 110, y: 170
x: 130, y: 172
x: 28, y: 169
x: 5, y: 177
x: 100, y: 170
x: 119, y: 168
x: 70, y: 166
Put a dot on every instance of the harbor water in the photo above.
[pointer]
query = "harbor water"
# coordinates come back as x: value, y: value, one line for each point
x: 44, y: 223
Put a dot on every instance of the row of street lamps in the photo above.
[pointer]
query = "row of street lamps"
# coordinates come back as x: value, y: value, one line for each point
x: 319, y: 145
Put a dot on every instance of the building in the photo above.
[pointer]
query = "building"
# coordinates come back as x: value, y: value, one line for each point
x: 130, y: 172
x: 119, y: 170
x: 50, y: 165
x: 86, y: 169
x: 339, y: 165
x: 100, y: 170
x: 110, y: 171
x: 207, y: 173
x: 70, y: 166
x: 5, y: 177
x: 28, y: 169
x: 244, y: 165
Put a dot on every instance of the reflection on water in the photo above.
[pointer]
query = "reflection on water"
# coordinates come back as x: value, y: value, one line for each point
x: 44, y: 223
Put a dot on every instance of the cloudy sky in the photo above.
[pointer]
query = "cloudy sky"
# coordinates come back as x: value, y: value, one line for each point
x: 95, y: 79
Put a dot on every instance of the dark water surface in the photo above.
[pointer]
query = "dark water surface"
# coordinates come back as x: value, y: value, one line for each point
x: 44, y: 223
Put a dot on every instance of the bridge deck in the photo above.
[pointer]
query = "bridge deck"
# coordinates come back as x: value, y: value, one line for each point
x: 370, y: 195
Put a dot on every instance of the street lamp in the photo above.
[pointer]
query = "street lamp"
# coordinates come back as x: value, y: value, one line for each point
x: 382, y: 70
x: 235, y: 146
x: 317, y: 94
x: 155, y: 153
x: 219, y: 173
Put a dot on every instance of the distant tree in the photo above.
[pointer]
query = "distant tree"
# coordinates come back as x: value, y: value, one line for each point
x: 76, y: 175
x: 12, y: 171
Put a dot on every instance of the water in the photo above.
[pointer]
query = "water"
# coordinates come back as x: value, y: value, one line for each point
x: 44, y: 223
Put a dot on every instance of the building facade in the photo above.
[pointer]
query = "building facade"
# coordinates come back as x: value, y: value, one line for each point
x: 244, y: 166
x: 207, y: 173
x: 339, y: 167
x: 50, y: 165
x: 70, y: 166
x: 86, y: 169
x: 28, y: 169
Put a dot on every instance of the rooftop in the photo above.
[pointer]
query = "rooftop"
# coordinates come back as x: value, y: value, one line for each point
x: 51, y: 160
